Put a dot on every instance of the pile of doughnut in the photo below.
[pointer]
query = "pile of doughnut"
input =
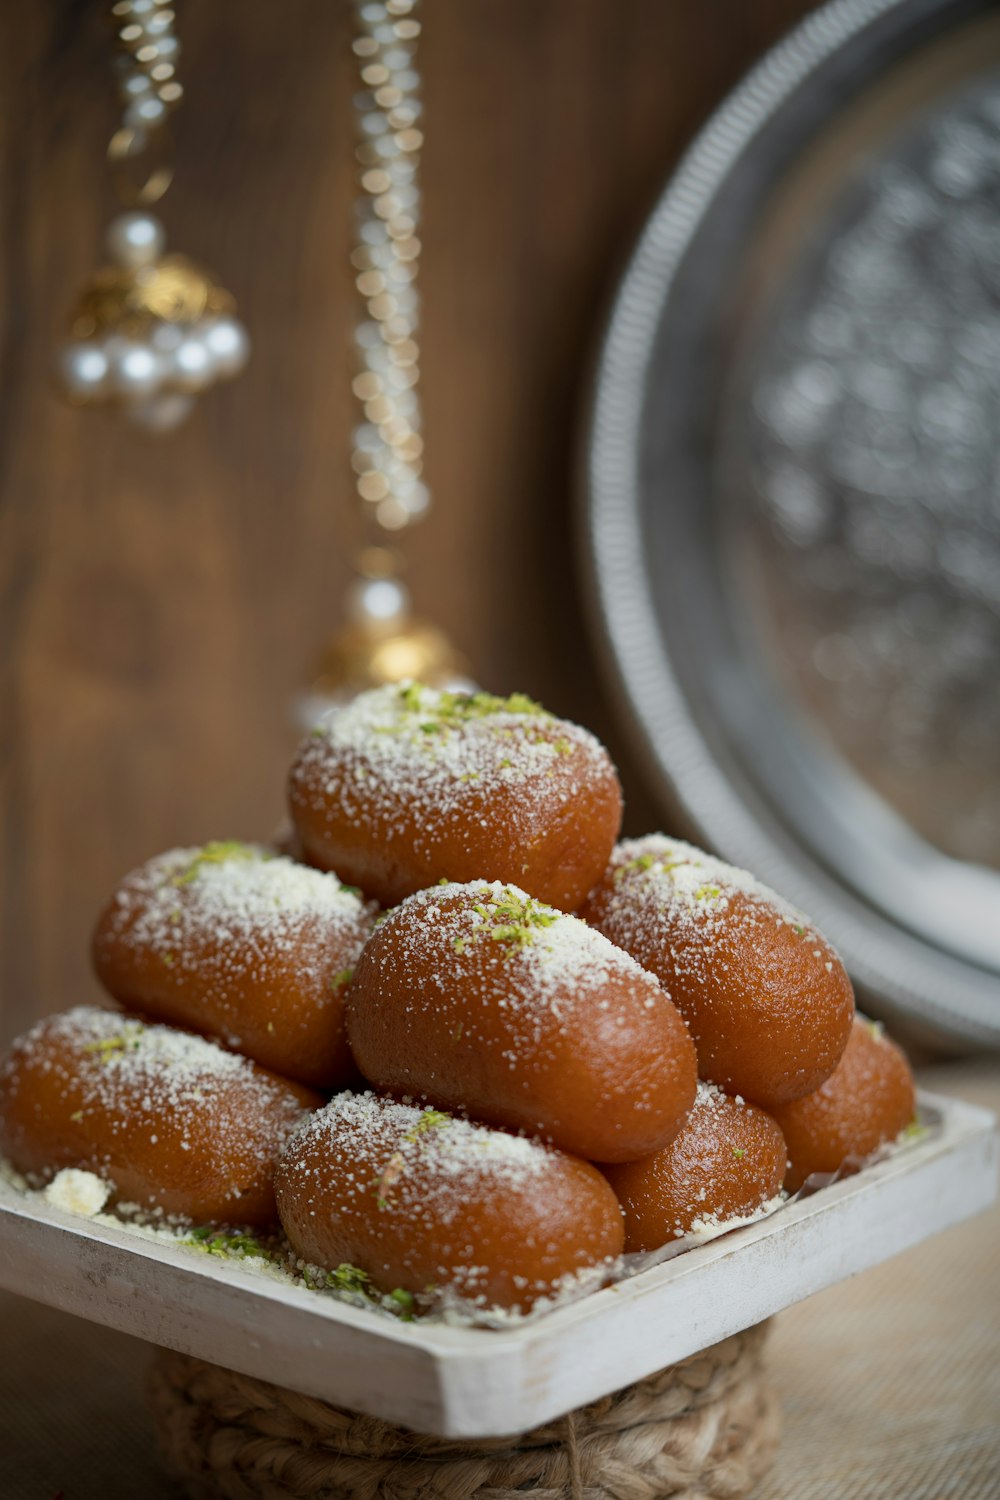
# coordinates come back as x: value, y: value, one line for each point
x: 451, y: 1035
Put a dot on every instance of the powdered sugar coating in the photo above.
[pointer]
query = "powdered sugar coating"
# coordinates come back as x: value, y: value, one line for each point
x: 416, y: 1197
x: 478, y: 996
x: 118, y: 1052
x: 159, y: 1112
x: 766, y: 997
x: 550, y: 958
x: 430, y: 746
x: 458, y: 1156
x: 232, y: 906
x: 407, y: 783
x: 655, y: 878
x: 243, y: 943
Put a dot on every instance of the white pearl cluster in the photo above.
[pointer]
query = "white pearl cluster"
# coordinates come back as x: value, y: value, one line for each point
x: 154, y: 378
x: 147, y: 63
x: 378, y: 601
x: 387, y: 446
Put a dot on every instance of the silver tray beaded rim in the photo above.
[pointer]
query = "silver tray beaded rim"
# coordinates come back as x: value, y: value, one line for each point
x: 901, y: 974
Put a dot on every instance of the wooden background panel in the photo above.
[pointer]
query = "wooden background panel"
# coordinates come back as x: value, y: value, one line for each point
x: 161, y: 599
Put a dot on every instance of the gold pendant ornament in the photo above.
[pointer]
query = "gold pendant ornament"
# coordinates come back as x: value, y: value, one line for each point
x: 381, y: 641
x: 153, y: 329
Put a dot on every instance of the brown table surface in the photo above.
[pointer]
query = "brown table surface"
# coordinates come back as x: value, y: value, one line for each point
x: 890, y: 1382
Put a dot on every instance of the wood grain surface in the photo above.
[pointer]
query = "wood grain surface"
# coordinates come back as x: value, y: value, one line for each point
x: 161, y: 599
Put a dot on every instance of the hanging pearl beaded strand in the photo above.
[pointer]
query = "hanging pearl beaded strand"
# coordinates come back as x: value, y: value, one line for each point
x: 382, y: 641
x: 387, y: 446
x: 151, y: 330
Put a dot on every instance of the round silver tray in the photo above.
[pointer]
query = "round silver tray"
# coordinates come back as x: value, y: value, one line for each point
x: 793, y: 494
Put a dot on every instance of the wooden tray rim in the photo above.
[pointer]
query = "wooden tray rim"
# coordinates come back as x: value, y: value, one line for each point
x: 476, y: 1382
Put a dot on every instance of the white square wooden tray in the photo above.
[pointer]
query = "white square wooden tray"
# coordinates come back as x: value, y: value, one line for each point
x: 473, y: 1382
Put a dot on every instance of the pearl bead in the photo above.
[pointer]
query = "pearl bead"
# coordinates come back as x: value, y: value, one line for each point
x: 166, y: 337
x: 135, y: 240
x: 160, y: 413
x: 228, y: 343
x: 378, y: 601
x: 192, y: 367
x: 136, y: 371
x: 84, y: 371
x: 137, y: 85
x: 391, y: 514
x: 415, y: 498
x: 158, y: 24
x: 145, y: 114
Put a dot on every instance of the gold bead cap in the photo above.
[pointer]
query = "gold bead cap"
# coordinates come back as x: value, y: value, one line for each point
x: 132, y: 301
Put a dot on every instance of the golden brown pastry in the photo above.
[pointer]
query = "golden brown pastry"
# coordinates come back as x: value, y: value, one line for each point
x: 171, y: 1120
x: 419, y: 1201
x: 726, y: 1163
x: 237, y: 942
x: 408, y: 785
x: 867, y: 1100
x: 767, y: 999
x: 477, y: 997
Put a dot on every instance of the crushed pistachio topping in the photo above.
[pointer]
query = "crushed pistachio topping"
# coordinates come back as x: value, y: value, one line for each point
x: 129, y: 1039
x: 657, y: 879
x: 227, y: 851
x: 219, y: 1242
x: 515, y: 919
x: 434, y: 751
x: 404, y: 1300
x: 342, y: 977
x: 739, y: 1153
x: 348, y: 1278
x: 216, y: 852
x: 644, y: 862
x: 357, y: 1286
x: 431, y: 1119
x: 427, y: 712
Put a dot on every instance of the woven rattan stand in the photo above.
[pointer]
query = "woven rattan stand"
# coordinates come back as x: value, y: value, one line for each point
x: 704, y: 1429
